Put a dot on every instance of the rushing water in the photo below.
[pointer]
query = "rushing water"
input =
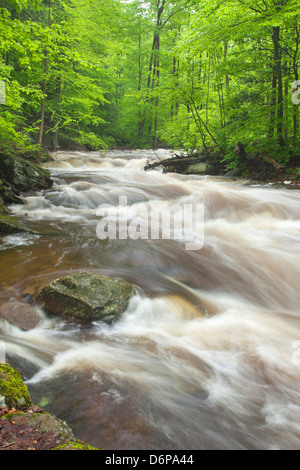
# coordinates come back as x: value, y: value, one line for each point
x: 205, y: 357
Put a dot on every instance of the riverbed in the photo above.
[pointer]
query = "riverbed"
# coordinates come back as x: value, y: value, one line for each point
x: 206, y: 354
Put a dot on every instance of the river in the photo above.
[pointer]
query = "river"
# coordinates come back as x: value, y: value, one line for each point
x: 206, y: 354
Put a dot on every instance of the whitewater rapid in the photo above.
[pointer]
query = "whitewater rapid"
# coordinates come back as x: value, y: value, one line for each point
x: 206, y: 354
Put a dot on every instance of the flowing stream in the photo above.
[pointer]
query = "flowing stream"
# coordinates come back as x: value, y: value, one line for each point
x: 206, y: 354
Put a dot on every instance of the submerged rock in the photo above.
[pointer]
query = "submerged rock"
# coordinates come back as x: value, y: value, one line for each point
x: 22, y: 175
x: 85, y: 297
x: 20, y: 314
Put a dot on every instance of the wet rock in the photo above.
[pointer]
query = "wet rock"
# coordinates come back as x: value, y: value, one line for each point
x: 86, y: 297
x: 3, y: 209
x: 8, y: 194
x: 22, y: 175
x: 9, y: 224
x: 12, y: 388
x: 28, y: 430
x: 233, y: 173
x: 20, y: 314
x: 24, y: 426
x: 36, y: 426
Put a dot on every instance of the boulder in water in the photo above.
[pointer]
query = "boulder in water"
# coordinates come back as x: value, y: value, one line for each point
x: 85, y: 297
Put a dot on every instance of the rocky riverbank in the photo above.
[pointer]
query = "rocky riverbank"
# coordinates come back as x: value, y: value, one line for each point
x: 24, y: 426
x: 253, y: 167
x: 18, y: 176
x: 82, y: 297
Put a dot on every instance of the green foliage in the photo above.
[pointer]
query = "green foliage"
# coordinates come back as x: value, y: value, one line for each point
x: 192, y: 74
x: 57, y: 69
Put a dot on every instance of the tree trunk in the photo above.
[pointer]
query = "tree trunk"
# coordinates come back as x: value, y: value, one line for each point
x: 278, y: 73
x: 44, y: 87
x: 295, y: 69
x: 140, y: 83
x: 153, y: 72
x: 41, y: 132
x: 55, y: 135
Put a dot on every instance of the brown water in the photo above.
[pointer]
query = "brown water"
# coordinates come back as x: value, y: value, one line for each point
x: 205, y: 357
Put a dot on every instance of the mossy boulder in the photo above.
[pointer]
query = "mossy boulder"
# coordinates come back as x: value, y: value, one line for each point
x: 24, y: 426
x: 9, y: 224
x: 86, y: 297
x: 22, y: 175
x: 12, y: 389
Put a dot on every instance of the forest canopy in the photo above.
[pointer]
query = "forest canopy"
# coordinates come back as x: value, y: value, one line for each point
x: 190, y: 74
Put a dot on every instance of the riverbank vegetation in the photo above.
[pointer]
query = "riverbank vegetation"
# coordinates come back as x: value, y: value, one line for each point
x: 190, y: 74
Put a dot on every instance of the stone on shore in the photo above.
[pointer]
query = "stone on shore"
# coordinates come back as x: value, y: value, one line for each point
x: 8, y: 195
x: 22, y: 175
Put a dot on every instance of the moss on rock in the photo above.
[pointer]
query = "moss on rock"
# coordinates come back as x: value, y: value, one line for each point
x: 75, y: 445
x: 12, y: 388
x: 9, y: 224
x: 31, y: 427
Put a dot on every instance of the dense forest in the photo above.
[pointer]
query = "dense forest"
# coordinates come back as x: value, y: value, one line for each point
x: 150, y: 311
x: 191, y: 74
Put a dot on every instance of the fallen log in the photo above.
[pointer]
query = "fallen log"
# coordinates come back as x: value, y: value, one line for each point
x: 179, y: 163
